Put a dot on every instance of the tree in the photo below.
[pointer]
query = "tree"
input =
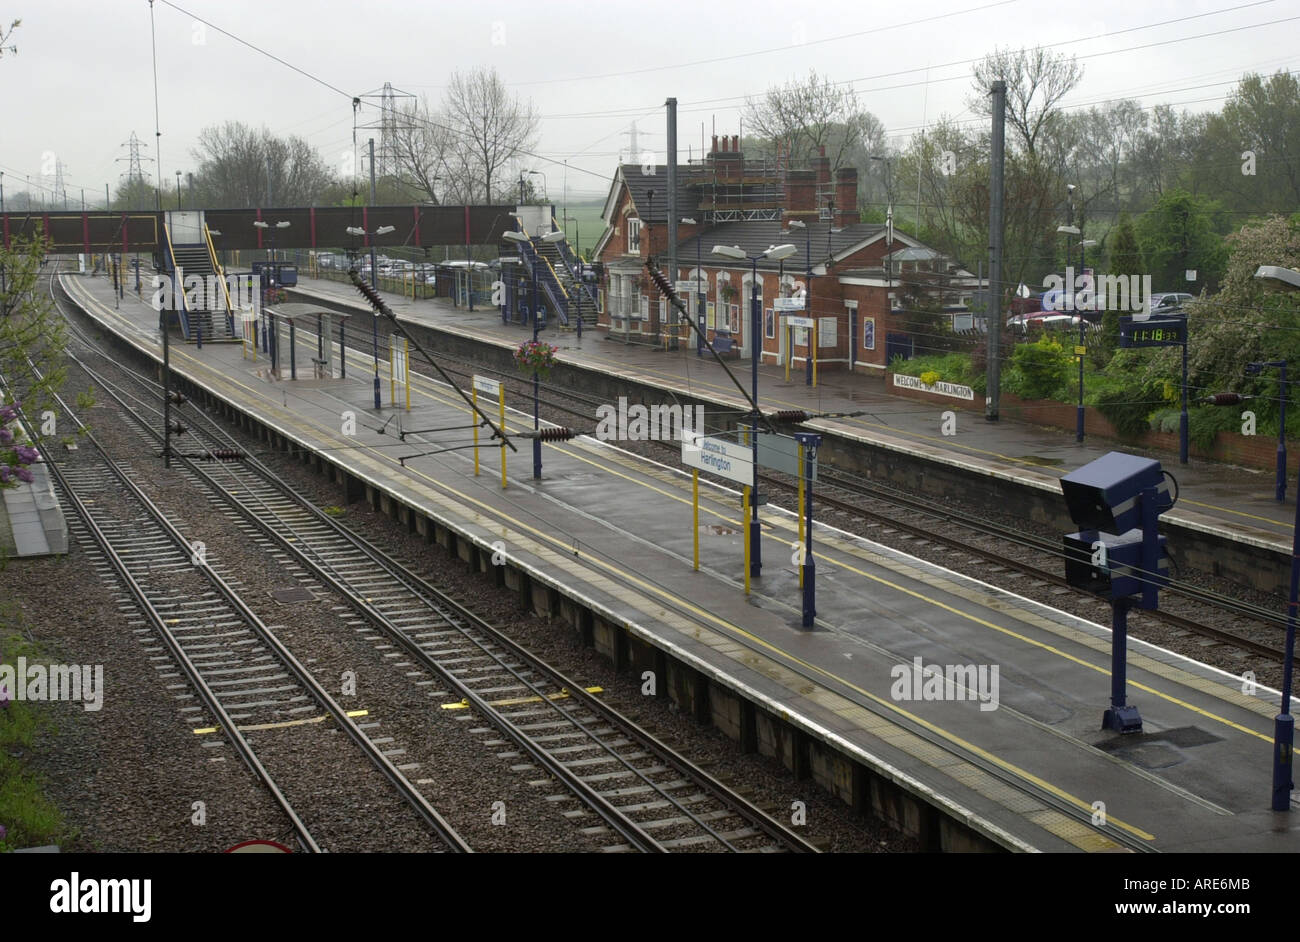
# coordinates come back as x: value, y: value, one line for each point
x: 135, y: 194
x: 1179, y: 234
x: 428, y: 153
x: 1248, y: 319
x: 1165, y: 152
x: 237, y: 163
x: 491, y: 127
x: 32, y: 339
x: 805, y: 115
x: 5, y: 36
x: 1036, y: 80
x: 1252, y: 148
x: 1125, y: 258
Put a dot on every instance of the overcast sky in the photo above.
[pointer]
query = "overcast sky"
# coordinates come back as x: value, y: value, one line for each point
x: 82, y: 79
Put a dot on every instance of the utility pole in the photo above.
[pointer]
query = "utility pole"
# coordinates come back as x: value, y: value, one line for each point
x: 672, y: 209
x: 374, y: 269
x: 993, y: 373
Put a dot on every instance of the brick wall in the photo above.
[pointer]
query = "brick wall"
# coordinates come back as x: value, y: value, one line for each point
x: 1250, y: 451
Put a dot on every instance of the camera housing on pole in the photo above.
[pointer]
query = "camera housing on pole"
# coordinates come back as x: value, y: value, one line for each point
x: 1118, y: 552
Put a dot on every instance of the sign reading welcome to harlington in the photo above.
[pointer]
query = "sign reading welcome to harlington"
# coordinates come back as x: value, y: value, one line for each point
x: 730, y: 460
x: 940, y: 388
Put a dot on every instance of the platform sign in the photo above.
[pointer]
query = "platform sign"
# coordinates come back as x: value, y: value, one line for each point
x: 493, y: 388
x: 787, y: 304
x: 719, y: 456
x: 399, y: 375
x: 1152, y: 332
x: 777, y: 452
x: 792, y: 321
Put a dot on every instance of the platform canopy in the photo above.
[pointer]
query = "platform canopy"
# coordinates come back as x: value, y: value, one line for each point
x: 298, y: 310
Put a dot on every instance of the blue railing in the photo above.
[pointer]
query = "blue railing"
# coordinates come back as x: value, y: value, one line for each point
x: 573, y: 264
x: 546, y: 280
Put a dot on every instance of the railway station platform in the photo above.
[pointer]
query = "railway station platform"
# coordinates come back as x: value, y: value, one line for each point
x: 1011, y: 758
x: 1227, y: 520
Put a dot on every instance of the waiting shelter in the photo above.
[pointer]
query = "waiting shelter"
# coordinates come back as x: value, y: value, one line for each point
x: 283, y: 322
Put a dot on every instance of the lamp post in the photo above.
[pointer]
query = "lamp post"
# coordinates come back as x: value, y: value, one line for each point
x: 1284, y: 723
x: 520, y: 239
x: 800, y: 224
x: 266, y: 329
x: 699, y: 286
x: 774, y: 253
x: 1072, y: 229
x: 178, y: 191
x: 374, y: 283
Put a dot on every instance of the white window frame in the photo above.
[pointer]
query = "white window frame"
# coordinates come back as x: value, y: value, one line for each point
x: 633, y: 235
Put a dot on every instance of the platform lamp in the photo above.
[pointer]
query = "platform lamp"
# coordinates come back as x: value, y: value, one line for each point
x: 700, y: 300
x: 520, y: 239
x: 773, y: 253
x: 374, y: 281
x: 261, y: 224
x: 1284, y: 722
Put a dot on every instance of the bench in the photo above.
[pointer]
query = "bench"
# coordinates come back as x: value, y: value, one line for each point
x: 318, y: 367
x: 723, y: 345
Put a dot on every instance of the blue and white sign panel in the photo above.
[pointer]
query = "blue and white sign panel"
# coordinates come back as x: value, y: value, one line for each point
x: 730, y: 460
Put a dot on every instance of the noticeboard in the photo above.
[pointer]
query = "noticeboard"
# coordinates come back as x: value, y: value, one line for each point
x: 776, y: 452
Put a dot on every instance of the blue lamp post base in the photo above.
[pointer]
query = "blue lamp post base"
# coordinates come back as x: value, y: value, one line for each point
x: 1122, y: 719
x: 1283, y: 751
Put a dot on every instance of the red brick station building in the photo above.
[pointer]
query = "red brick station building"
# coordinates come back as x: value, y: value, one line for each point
x: 860, y: 272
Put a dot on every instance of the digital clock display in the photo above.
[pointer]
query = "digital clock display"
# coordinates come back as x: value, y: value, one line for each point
x: 1152, y: 333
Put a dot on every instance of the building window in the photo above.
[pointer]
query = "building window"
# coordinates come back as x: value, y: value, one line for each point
x: 634, y: 236
x: 868, y: 333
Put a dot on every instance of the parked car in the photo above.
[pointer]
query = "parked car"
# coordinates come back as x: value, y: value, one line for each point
x: 1169, y: 302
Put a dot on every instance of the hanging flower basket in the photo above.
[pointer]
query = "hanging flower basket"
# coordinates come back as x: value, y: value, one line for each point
x: 535, y: 356
x: 728, y: 293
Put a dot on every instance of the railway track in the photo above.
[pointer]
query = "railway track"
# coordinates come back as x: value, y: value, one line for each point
x: 640, y: 794
x: 245, y: 678
x: 1002, y: 562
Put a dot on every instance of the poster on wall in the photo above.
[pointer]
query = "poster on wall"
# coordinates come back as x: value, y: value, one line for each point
x: 769, y: 324
x: 868, y: 333
x: 826, y: 331
x: 713, y: 313
x: 733, y: 317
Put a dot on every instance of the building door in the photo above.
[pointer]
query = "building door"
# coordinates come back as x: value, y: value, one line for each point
x: 898, y: 345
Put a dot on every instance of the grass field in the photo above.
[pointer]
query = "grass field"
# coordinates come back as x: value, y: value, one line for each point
x: 585, y: 224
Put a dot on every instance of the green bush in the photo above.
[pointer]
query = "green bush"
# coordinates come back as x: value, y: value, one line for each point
x: 1203, y: 422
x: 1128, y: 408
x: 951, y: 367
x: 1039, y: 370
